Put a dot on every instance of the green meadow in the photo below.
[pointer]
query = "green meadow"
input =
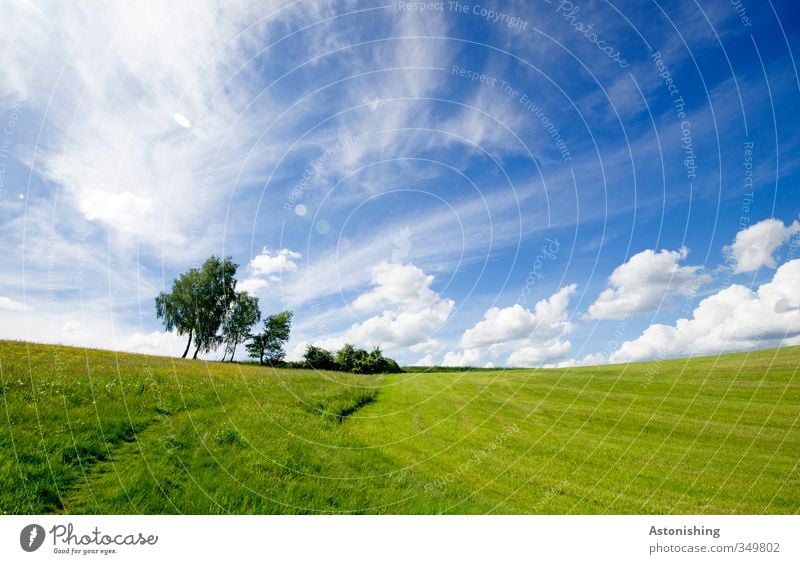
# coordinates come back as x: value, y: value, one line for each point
x: 89, y: 431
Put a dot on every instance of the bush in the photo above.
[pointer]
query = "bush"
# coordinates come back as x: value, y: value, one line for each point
x: 350, y: 359
x: 359, y: 361
x: 319, y: 358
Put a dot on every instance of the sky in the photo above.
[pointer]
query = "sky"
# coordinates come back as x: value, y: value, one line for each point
x: 519, y: 183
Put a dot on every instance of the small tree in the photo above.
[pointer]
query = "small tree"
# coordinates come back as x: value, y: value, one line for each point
x: 243, y: 315
x: 361, y: 362
x: 345, y: 358
x: 268, y: 346
x: 319, y: 358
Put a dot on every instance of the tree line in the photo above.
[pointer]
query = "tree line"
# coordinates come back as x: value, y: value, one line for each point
x: 205, y: 305
x: 349, y: 359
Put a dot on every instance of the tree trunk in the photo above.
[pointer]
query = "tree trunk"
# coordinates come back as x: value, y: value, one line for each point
x: 233, y: 352
x: 261, y: 360
x: 187, y: 345
x: 224, y: 354
x: 194, y: 356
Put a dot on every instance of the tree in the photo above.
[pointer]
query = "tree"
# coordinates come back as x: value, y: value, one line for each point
x: 384, y: 364
x: 319, y: 358
x: 345, y: 358
x: 179, y: 307
x: 216, y: 291
x: 243, y: 315
x: 268, y: 346
x: 199, y: 302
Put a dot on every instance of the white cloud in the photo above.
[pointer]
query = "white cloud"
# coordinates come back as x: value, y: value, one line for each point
x: 503, y: 329
x: 429, y: 346
x: 75, y: 333
x: 268, y: 266
x: 267, y: 263
x: 735, y: 318
x: 398, y: 284
x: 588, y: 360
x: 468, y: 357
x: 755, y: 246
x: 536, y: 354
x: 488, y: 120
x: 412, y: 310
x: 398, y: 328
x: 426, y: 360
x: 645, y: 282
x: 124, y: 210
x: 140, y: 108
x: 296, y: 349
x: 532, y: 337
x: 159, y: 343
x: 404, y: 315
x: 82, y: 334
x: 252, y: 285
x: 11, y: 305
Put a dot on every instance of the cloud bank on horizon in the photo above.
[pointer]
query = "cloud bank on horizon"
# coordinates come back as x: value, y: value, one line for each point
x: 504, y: 184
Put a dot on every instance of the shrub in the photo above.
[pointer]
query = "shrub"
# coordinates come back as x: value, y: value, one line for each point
x: 319, y: 358
x: 350, y: 359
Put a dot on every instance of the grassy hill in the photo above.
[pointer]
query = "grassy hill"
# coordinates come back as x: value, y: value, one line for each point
x: 86, y: 431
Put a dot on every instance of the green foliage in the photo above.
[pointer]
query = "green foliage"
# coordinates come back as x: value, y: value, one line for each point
x: 216, y: 293
x: 198, y: 303
x: 243, y: 315
x: 319, y: 358
x: 346, y: 358
x: 179, y: 308
x: 373, y: 362
x: 350, y: 359
x: 267, y: 346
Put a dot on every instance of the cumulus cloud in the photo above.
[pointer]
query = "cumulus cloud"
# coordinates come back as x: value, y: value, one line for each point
x: 396, y: 327
x: 502, y: 329
x: 11, y: 305
x: 426, y: 360
x: 159, y: 343
x: 402, y: 311
x: 588, y: 360
x: 532, y: 336
x: 266, y: 267
x: 252, y: 285
x: 267, y: 263
x: 411, y: 310
x: 735, y: 318
x: 536, y: 354
x: 467, y: 357
x: 398, y: 284
x: 429, y: 346
x: 645, y: 282
x: 755, y: 246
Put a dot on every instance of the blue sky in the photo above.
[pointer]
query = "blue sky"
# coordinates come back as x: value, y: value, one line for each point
x: 509, y: 183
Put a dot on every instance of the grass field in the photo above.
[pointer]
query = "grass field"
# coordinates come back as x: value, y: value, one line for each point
x: 86, y: 431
